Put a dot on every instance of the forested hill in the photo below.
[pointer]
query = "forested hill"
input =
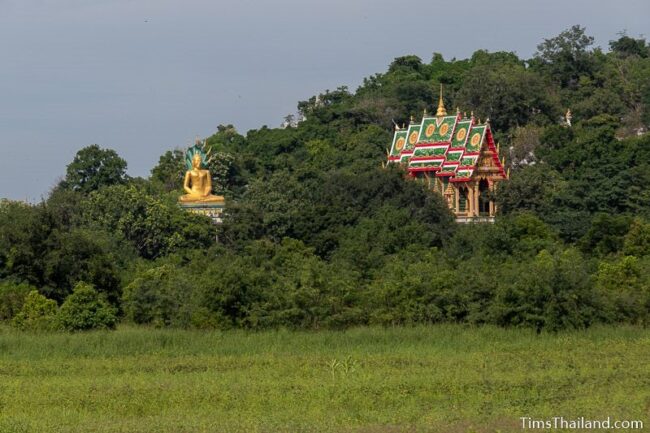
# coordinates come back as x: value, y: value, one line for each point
x: 319, y: 234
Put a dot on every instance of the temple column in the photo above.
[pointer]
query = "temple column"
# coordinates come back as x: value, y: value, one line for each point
x: 492, y: 209
x: 457, y: 201
x: 476, y: 198
x: 469, y: 208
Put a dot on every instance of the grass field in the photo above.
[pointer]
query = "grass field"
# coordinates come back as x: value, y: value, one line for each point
x: 429, y: 379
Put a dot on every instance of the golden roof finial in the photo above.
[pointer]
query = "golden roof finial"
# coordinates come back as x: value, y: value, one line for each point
x: 441, y: 105
x: 424, y: 114
x: 412, y: 118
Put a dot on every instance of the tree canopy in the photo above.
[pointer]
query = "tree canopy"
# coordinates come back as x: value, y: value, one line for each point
x: 319, y: 233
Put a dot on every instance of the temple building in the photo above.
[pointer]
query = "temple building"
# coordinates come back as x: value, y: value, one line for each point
x: 457, y: 157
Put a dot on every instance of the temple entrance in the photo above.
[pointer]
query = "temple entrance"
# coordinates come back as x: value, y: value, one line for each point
x: 462, y: 199
x: 484, y: 197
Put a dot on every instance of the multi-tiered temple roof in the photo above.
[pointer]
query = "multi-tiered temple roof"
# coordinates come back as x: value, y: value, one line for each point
x: 455, y: 149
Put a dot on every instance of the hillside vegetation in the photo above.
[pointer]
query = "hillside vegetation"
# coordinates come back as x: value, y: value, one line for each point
x: 319, y: 235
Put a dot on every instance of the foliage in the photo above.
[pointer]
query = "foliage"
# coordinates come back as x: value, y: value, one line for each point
x: 170, y: 170
x: 319, y: 233
x: 37, y: 314
x: 160, y: 296
x: 152, y: 225
x: 94, y: 167
x: 12, y: 298
x: 86, y: 309
x: 553, y: 291
x: 566, y: 57
x: 624, y: 289
x: 509, y: 95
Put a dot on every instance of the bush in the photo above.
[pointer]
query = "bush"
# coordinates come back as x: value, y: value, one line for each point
x: 86, y: 309
x: 623, y: 290
x: 159, y: 296
x: 553, y: 291
x: 12, y: 298
x: 37, y: 314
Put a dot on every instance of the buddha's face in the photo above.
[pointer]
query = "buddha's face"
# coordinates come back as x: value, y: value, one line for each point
x: 196, y: 161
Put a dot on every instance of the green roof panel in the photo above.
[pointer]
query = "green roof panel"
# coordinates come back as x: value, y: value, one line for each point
x: 461, y: 134
x: 475, y: 139
x: 399, y: 141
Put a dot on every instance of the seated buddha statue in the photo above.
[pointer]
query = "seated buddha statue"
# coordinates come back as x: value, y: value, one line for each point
x: 198, y: 184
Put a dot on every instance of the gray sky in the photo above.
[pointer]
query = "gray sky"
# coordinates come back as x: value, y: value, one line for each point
x: 145, y: 76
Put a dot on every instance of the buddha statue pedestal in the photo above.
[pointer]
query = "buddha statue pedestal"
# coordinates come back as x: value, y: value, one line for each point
x: 214, y: 210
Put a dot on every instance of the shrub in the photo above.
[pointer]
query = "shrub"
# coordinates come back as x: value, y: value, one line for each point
x: 12, y: 298
x: 623, y: 290
x: 553, y: 291
x: 86, y: 309
x: 37, y: 314
x: 159, y: 296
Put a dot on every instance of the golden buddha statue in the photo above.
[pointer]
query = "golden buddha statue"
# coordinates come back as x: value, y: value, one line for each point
x: 198, y: 184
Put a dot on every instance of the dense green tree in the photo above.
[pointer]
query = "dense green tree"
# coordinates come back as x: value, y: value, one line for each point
x: 627, y: 46
x: 37, y: 314
x: 637, y: 240
x: 509, y: 95
x: 162, y: 296
x: 12, y: 298
x: 83, y: 255
x: 624, y: 291
x: 606, y: 234
x: 93, y: 168
x: 23, y: 232
x: 566, y: 57
x: 170, y: 170
x: 153, y: 225
x: 86, y: 309
x: 552, y: 292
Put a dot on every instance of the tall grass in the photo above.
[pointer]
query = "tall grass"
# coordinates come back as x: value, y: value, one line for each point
x: 441, y: 378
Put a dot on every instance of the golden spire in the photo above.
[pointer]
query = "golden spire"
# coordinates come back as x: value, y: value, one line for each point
x: 441, y: 105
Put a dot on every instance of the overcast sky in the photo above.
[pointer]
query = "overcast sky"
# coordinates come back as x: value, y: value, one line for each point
x: 145, y: 76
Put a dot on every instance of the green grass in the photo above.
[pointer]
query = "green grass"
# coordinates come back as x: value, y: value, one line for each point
x: 429, y: 379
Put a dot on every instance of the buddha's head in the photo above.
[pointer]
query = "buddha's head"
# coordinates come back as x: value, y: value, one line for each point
x: 196, y: 161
